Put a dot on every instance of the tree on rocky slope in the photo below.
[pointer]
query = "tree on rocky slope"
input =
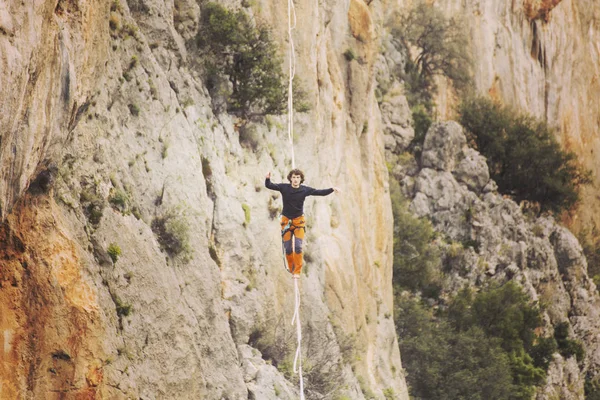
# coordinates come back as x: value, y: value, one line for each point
x: 241, y: 62
x: 439, y: 46
x: 523, y: 155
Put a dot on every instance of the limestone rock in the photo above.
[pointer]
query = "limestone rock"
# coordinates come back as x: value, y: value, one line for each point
x: 161, y: 246
x: 473, y: 171
x: 443, y: 146
x: 542, y: 256
x: 397, y: 121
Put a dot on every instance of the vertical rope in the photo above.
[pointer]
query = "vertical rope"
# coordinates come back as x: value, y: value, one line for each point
x: 296, y: 318
x: 292, y: 72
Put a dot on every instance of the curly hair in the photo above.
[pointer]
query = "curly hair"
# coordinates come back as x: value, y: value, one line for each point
x: 296, y: 172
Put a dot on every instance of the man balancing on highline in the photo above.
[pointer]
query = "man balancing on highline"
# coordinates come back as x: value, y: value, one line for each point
x: 292, y: 217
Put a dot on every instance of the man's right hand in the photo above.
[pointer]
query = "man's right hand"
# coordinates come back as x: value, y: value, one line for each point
x: 268, y: 175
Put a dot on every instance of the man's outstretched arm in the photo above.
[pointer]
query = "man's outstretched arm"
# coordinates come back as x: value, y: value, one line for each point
x: 271, y: 185
x: 324, y: 192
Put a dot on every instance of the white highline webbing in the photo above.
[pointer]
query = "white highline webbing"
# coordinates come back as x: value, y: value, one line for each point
x: 292, y: 72
x: 296, y: 318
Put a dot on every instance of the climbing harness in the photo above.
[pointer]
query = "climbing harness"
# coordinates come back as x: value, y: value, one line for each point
x: 289, y: 227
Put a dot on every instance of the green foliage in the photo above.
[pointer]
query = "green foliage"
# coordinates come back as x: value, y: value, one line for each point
x: 119, y: 200
x: 566, y: 346
x: 422, y: 121
x: 525, y: 375
x: 301, y: 101
x: 389, y: 394
x: 416, y: 258
x: 123, y: 310
x: 114, y: 251
x: 443, y: 363
x: 504, y: 313
x: 592, y: 388
x: 246, y: 209
x: 349, y: 55
x: 542, y: 352
x: 245, y: 54
x: 93, y: 205
x: 134, y: 62
x: 134, y: 109
x: 441, y: 45
x: 482, y: 346
x: 365, y: 389
x: 172, y: 233
x: 322, y: 369
x: 523, y: 156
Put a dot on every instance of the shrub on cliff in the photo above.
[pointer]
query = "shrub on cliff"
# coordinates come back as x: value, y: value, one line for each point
x: 172, y: 232
x: 523, y: 155
x: 443, y: 363
x: 416, y: 257
x: 481, y: 346
x: 237, y: 51
x: 567, y: 347
x: 440, y: 47
x: 505, y: 313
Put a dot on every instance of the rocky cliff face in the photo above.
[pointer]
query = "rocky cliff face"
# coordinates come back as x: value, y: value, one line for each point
x: 109, y: 139
x: 450, y: 185
x: 542, y: 57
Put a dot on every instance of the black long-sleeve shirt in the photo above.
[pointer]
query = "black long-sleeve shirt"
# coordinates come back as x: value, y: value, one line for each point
x: 293, y: 198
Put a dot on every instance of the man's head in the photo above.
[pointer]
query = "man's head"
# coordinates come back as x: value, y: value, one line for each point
x: 296, y: 177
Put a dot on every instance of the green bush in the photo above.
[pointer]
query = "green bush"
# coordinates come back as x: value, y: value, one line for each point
x: 591, y: 388
x: 134, y: 109
x: 322, y: 368
x: 120, y: 201
x: 246, y: 209
x: 114, y: 251
x: 93, y: 205
x: 443, y: 363
x: 301, y: 100
x: 389, y: 394
x: 442, y: 48
x: 349, y: 55
x: 523, y: 156
x: 422, y: 121
x: 505, y: 313
x: 123, y: 310
x: 483, y: 346
x: 566, y: 346
x: 236, y: 49
x: 172, y: 233
x: 416, y: 257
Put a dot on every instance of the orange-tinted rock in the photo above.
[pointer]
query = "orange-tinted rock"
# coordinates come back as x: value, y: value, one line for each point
x: 48, y: 313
